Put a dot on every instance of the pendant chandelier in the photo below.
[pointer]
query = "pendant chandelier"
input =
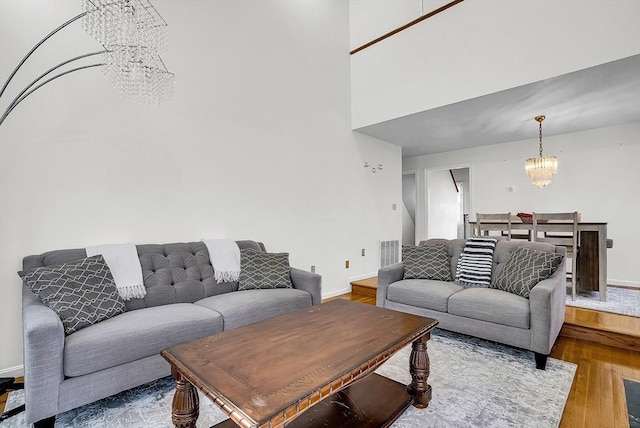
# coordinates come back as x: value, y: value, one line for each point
x: 541, y: 169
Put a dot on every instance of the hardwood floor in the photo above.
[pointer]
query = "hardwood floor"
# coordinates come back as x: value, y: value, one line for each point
x: 606, y: 328
x: 3, y: 397
x: 597, y: 397
x: 365, y: 287
x: 3, y: 401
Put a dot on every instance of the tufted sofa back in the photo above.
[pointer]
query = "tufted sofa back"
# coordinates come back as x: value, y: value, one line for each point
x: 172, y: 273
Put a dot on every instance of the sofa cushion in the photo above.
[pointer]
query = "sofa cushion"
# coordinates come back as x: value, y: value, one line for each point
x: 81, y: 293
x: 249, y: 306
x: 136, y: 334
x: 487, y: 304
x: 524, y: 269
x: 262, y: 270
x: 423, y: 293
x: 427, y: 261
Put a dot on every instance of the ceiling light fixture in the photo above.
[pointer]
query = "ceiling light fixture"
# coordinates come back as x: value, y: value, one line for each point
x: 541, y: 169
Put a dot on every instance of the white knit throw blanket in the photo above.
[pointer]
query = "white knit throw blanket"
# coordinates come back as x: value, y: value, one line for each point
x: 125, y: 268
x: 224, y: 255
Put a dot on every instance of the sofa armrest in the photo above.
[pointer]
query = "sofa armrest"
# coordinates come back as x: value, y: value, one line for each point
x: 386, y: 276
x: 547, y: 304
x: 309, y: 282
x: 43, y: 337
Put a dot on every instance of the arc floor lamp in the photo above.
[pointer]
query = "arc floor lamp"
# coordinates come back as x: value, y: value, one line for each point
x: 132, y: 34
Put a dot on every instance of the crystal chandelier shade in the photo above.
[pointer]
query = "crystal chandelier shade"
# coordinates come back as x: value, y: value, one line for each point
x: 541, y: 169
x: 133, y: 34
x: 139, y: 75
x: 125, y: 22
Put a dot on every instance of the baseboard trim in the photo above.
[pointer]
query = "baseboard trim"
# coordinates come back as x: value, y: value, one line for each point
x: 12, y: 371
x: 363, y: 276
x: 623, y: 283
x: 624, y: 287
x: 339, y: 292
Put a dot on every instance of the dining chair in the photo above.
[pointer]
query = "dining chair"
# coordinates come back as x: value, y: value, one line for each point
x: 517, y: 233
x: 564, y: 232
x: 482, y: 219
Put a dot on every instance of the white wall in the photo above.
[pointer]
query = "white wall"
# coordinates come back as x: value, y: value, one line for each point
x: 598, y: 176
x: 478, y: 47
x: 256, y: 144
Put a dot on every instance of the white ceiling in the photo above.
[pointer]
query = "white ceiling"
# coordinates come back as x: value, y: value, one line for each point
x: 596, y: 97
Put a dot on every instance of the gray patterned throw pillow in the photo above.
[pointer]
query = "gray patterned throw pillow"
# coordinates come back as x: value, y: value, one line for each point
x: 81, y: 293
x: 426, y: 262
x: 524, y: 269
x: 262, y: 270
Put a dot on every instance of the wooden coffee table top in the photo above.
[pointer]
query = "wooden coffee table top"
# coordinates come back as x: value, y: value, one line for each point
x: 277, y: 368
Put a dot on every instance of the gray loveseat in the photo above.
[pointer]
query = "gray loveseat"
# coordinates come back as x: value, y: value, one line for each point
x: 530, y: 323
x: 183, y: 302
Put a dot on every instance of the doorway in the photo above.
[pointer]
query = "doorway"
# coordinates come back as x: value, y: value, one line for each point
x: 448, y: 202
x: 409, y: 200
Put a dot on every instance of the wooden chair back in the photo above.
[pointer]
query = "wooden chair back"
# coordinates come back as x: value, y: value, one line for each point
x: 481, y: 219
x: 566, y: 236
x: 519, y: 234
x: 563, y: 231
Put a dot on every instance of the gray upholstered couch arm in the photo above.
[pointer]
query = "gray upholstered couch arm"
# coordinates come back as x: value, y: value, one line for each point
x: 386, y: 276
x: 547, y: 305
x: 43, y: 352
x: 309, y: 282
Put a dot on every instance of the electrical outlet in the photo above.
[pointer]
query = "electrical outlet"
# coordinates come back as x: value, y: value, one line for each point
x: 394, y: 207
x: 363, y: 252
x: 313, y: 269
x: 346, y: 264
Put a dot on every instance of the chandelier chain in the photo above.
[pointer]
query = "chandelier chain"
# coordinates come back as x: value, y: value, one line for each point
x: 541, y: 169
x: 540, y: 138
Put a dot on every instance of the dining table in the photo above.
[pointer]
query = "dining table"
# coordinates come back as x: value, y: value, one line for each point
x: 591, y: 269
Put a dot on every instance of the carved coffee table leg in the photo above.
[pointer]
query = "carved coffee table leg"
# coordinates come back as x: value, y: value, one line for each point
x: 419, y: 368
x: 185, y: 407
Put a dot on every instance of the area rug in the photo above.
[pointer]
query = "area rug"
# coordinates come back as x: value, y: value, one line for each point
x: 625, y: 301
x: 475, y: 383
x: 632, y: 394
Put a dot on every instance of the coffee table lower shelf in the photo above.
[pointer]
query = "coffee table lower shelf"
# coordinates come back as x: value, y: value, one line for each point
x: 373, y: 402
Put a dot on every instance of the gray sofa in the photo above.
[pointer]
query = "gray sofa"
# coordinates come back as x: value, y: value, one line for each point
x: 183, y: 302
x: 497, y: 315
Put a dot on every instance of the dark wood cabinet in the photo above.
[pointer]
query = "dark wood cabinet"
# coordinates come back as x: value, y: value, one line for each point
x: 588, y: 273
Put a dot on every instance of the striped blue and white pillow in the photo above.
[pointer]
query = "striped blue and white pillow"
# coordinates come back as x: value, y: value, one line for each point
x: 476, y: 262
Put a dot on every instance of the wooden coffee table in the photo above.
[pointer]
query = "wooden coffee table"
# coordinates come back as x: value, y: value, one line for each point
x: 312, y: 367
